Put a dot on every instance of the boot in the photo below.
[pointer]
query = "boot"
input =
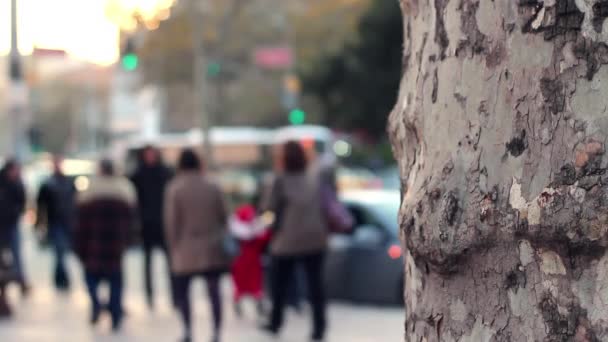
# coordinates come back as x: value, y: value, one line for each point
x: 5, y: 309
x: 25, y: 289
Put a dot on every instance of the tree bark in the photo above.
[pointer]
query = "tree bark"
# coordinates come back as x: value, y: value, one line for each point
x: 500, y: 133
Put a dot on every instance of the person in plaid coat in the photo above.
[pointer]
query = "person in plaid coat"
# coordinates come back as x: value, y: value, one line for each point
x: 105, y: 217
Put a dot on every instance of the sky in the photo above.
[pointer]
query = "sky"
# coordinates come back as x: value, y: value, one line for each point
x: 78, y: 26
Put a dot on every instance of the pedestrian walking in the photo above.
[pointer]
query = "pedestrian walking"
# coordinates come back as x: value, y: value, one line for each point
x: 195, y: 225
x: 247, y: 272
x: 5, y: 273
x: 263, y: 198
x: 300, y: 236
x: 13, y: 205
x: 150, y: 180
x: 57, y: 211
x: 105, y: 216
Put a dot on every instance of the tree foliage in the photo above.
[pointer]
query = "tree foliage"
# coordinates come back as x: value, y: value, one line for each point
x: 357, y: 86
x: 250, y: 94
x: 324, y: 28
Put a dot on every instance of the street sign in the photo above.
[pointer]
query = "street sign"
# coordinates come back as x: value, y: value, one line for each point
x: 273, y: 57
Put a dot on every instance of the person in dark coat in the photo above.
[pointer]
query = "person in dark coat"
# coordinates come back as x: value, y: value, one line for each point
x: 105, y: 217
x: 150, y: 180
x: 56, y: 208
x: 12, y: 202
x: 9, y: 215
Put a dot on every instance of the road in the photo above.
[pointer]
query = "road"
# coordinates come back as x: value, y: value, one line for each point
x: 49, y: 316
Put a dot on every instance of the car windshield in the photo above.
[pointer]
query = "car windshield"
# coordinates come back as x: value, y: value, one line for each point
x: 381, y: 207
x: 387, y: 213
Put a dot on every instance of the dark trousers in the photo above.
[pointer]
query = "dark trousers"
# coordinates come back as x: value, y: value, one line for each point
x: 153, y: 238
x: 16, y: 253
x: 6, y: 272
x: 115, y: 281
x: 283, y: 275
x: 60, y: 239
x: 148, y: 248
x: 182, y: 293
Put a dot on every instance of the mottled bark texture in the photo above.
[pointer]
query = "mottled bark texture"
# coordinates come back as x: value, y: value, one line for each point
x: 500, y: 132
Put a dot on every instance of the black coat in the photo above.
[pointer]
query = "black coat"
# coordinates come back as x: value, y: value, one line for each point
x: 56, y: 200
x: 150, y: 184
x: 12, y: 205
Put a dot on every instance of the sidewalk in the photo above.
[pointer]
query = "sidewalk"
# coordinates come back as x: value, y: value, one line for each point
x: 48, y: 316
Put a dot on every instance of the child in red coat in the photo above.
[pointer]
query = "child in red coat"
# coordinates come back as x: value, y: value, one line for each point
x: 247, y: 271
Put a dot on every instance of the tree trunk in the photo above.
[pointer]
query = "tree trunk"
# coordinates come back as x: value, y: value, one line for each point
x: 500, y: 133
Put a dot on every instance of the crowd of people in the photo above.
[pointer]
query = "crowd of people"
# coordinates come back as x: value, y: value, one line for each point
x: 184, y: 214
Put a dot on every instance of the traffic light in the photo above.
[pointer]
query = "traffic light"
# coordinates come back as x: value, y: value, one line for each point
x: 15, y: 69
x: 130, y: 62
x: 292, y: 84
x: 35, y: 139
x: 214, y: 69
x: 129, y: 59
x: 290, y: 92
x: 297, y: 116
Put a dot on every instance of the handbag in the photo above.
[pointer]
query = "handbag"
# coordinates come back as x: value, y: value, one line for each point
x: 339, y: 218
x: 231, y: 245
x: 281, y: 205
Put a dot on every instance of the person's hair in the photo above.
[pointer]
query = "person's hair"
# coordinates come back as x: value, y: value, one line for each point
x: 147, y: 148
x: 9, y: 164
x: 294, y: 157
x: 57, y: 160
x: 189, y: 161
x: 106, y: 167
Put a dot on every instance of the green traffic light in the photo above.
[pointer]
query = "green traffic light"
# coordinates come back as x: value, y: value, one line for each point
x: 214, y: 69
x: 130, y: 62
x: 297, y: 117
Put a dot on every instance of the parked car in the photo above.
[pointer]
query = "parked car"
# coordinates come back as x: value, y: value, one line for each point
x: 357, y: 179
x: 366, y: 266
x: 390, y: 178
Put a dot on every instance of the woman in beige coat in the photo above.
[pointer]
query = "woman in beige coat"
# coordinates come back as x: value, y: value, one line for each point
x: 195, y: 229
x: 299, y: 238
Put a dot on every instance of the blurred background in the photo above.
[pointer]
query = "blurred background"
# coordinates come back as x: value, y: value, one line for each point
x: 87, y: 79
x: 231, y: 78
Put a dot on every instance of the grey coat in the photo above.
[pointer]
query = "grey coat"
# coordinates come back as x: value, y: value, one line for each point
x: 195, y: 225
x: 301, y: 226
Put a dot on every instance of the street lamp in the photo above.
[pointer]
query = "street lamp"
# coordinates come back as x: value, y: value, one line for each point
x: 202, y: 8
x: 18, y: 95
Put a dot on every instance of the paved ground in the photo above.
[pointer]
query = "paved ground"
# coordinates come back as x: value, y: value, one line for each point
x: 49, y: 317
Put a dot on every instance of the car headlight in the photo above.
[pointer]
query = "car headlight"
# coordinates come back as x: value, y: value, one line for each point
x: 82, y: 183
